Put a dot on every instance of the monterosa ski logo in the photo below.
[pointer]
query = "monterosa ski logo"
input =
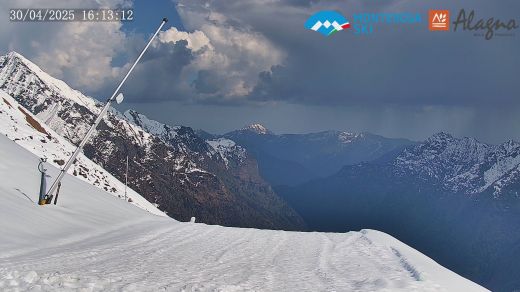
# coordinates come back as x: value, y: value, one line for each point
x: 327, y: 22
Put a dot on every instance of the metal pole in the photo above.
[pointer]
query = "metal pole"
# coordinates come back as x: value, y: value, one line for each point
x: 100, y: 116
x: 57, y: 193
x: 126, y: 177
x: 41, y: 168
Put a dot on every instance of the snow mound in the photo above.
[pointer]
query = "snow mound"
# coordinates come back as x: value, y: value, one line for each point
x: 95, y: 242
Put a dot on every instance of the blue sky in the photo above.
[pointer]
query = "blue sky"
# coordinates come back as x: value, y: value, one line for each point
x: 149, y: 13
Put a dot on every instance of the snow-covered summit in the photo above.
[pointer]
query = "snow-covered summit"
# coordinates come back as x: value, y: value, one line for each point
x: 257, y: 129
x: 225, y: 149
x: 153, y: 127
x: 348, y: 137
x: 19, y: 75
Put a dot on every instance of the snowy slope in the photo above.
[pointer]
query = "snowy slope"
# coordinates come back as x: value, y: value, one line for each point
x: 21, y: 126
x: 97, y: 242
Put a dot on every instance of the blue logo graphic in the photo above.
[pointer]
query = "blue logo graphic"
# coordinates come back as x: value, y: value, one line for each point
x: 327, y: 22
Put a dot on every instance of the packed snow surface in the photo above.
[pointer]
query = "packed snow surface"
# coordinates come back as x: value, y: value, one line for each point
x: 92, y: 241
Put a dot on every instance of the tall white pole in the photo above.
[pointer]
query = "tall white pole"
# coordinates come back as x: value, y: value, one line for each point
x: 100, y: 116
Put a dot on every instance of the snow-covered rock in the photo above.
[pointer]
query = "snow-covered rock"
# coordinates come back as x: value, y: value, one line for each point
x: 347, y: 137
x: 463, y: 164
x: 156, y: 128
x: 227, y: 149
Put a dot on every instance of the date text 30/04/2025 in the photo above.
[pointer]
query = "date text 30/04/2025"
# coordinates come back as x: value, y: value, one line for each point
x: 47, y: 14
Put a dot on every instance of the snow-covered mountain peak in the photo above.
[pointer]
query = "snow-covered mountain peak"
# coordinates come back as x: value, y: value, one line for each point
x: 440, y: 138
x: 184, y: 139
x: 18, y: 75
x: 510, y: 146
x: 257, y: 128
x: 463, y: 164
x: 14, y: 54
x: 348, y: 137
x: 151, y: 126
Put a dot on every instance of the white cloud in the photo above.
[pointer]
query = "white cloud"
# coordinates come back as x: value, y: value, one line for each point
x: 229, y: 52
x: 235, y: 50
x: 196, y: 40
x: 80, y: 53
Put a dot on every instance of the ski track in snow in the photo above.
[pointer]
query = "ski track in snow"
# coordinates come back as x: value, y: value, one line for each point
x: 166, y: 255
x: 182, y: 256
x: 92, y: 241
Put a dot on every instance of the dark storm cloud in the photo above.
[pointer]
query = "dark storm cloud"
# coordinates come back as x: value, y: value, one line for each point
x: 396, y: 65
x: 400, y: 81
x: 402, y: 65
x: 206, y: 82
x: 157, y: 76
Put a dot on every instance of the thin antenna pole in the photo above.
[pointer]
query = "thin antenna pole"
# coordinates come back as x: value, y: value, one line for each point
x: 126, y: 177
x: 100, y: 116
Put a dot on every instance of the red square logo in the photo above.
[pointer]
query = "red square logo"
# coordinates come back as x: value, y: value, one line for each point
x: 439, y: 20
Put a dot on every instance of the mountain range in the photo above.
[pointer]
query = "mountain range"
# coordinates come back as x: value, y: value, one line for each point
x: 289, y: 159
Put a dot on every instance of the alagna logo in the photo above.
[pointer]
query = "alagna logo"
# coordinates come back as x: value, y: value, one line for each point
x: 327, y: 22
x: 486, y: 28
x: 439, y: 20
